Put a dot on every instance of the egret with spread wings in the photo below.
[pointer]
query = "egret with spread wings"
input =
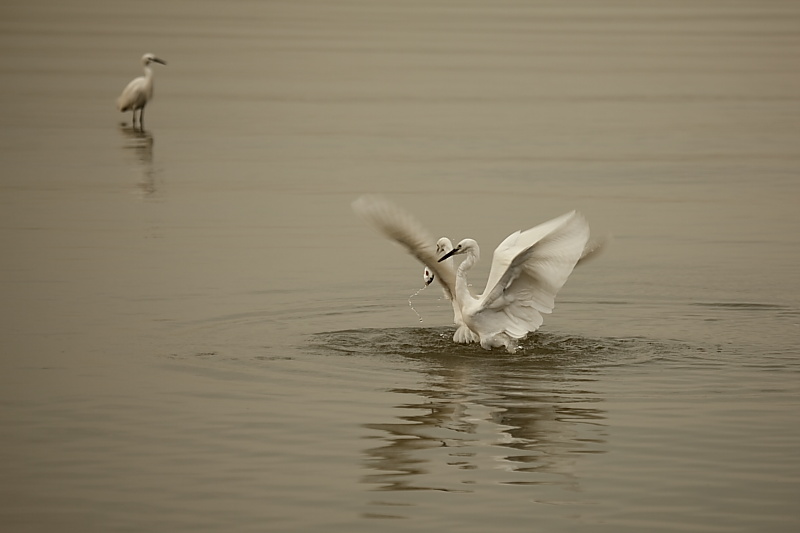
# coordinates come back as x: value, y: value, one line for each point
x: 528, y: 269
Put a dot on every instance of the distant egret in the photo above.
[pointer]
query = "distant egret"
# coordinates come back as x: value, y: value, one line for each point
x: 139, y: 91
x: 527, y: 271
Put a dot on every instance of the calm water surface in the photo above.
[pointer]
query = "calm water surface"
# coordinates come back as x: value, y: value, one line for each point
x: 199, y: 335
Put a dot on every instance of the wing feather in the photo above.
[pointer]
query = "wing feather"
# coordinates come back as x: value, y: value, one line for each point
x: 529, y: 269
x: 593, y: 249
x: 516, y: 243
x: 133, y: 96
x: 402, y: 227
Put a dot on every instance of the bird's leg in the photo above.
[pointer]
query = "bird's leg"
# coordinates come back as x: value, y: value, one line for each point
x: 141, y: 119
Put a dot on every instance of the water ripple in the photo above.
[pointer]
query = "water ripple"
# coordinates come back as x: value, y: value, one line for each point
x: 544, y: 349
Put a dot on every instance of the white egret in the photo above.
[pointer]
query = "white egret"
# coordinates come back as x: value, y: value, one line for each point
x: 463, y: 334
x: 443, y: 246
x: 139, y: 91
x: 528, y: 270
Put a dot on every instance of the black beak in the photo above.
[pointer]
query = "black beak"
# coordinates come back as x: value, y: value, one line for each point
x: 157, y: 60
x: 448, y: 254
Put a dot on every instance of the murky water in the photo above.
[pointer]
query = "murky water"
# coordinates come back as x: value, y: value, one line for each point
x: 199, y: 335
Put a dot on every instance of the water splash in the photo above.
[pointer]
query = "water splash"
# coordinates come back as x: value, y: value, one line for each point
x: 427, y: 277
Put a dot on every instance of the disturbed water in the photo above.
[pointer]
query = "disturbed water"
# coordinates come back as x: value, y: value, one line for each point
x: 199, y: 335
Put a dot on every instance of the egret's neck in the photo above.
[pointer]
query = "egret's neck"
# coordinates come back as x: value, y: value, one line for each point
x: 148, y: 72
x: 462, y: 288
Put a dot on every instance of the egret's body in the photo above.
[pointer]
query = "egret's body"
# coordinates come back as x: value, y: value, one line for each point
x: 463, y: 334
x: 528, y: 269
x: 139, y: 91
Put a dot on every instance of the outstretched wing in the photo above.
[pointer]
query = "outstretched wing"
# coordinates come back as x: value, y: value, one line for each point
x: 593, y: 248
x: 530, y: 267
x: 402, y: 227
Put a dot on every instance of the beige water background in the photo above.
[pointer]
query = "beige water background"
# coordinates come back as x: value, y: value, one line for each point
x: 197, y: 333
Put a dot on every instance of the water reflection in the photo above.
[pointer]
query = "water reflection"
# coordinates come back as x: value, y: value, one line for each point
x: 140, y: 143
x: 485, y: 417
x: 525, y: 422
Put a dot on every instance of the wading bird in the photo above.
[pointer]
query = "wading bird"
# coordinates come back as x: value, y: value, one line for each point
x: 139, y: 90
x: 527, y: 271
x: 463, y: 334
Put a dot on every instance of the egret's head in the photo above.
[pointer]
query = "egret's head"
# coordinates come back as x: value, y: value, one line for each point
x: 151, y: 58
x: 428, y: 276
x: 443, y: 246
x: 467, y: 245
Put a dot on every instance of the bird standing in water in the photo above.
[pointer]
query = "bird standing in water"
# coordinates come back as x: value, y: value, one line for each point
x: 139, y: 91
x: 528, y: 269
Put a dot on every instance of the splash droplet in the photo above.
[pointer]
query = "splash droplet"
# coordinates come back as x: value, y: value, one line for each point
x: 411, y: 305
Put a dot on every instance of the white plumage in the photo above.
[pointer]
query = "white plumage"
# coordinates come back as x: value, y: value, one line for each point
x: 528, y: 269
x: 463, y: 334
x: 139, y: 91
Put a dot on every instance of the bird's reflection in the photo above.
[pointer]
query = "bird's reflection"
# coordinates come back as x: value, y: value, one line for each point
x: 471, y: 414
x: 140, y: 143
x: 528, y: 420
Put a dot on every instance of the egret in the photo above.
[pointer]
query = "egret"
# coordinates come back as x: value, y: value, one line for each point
x: 444, y: 245
x: 463, y: 334
x: 528, y: 270
x: 139, y: 90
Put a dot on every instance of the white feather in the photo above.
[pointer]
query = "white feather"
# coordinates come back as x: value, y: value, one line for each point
x: 140, y: 90
x: 403, y: 228
x: 528, y: 269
